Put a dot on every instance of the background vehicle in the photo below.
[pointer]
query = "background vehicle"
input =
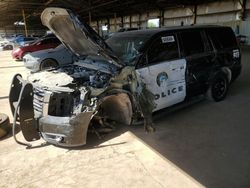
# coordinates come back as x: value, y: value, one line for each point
x: 6, y: 44
x: 23, y: 41
x: 128, y: 29
x: 43, y: 59
x: 44, y: 43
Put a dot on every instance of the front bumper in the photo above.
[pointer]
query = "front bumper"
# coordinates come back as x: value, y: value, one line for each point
x: 16, y: 56
x: 64, y: 131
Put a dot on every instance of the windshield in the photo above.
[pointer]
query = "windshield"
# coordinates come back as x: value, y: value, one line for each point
x: 127, y: 48
x: 35, y: 41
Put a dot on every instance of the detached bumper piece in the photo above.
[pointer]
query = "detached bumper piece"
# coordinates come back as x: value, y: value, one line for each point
x: 66, y: 131
x: 21, y: 104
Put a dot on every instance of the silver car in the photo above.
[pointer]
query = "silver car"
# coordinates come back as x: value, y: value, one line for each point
x: 44, y: 59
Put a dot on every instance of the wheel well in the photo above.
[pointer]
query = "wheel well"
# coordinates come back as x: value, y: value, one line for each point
x: 48, y: 59
x: 228, y: 72
x: 117, y: 107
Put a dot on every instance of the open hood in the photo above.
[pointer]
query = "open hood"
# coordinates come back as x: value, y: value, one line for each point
x: 76, y: 35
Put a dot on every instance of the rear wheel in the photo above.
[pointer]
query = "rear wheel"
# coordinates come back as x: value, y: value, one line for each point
x: 48, y: 63
x: 8, y: 47
x: 218, y: 87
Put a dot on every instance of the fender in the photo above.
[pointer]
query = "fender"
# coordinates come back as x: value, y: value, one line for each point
x: 220, y: 70
x: 117, y: 105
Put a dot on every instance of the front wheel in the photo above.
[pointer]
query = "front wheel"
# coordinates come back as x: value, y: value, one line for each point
x: 48, y: 63
x: 218, y: 87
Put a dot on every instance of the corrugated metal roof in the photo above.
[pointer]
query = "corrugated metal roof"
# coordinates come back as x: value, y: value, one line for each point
x: 11, y: 10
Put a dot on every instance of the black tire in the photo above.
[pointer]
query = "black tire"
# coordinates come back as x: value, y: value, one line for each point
x: 8, y: 47
x: 47, y: 64
x: 218, y: 87
x: 4, y: 125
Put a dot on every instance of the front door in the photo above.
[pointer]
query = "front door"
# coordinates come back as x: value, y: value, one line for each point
x: 164, y: 73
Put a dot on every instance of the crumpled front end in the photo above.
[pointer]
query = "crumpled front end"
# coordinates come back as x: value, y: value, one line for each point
x: 64, y: 117
x: 60, y: 118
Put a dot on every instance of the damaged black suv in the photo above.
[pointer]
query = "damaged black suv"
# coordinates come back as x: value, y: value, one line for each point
x: 130, y: 76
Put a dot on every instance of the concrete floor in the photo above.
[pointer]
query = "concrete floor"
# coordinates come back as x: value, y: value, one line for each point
x: 206, y: 144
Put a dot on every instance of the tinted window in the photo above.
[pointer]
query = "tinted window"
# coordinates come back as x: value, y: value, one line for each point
x: 28, y: 39
x: 55, y: 40
x: 163, y: 49
x: 222, y: 37
x: 192, y: 42
x: 50, y: 40
x: 46, y: 41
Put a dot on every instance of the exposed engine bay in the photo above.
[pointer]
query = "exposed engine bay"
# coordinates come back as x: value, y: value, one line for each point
x: 87, y: 77
x: 81, y: 73
x: 68, y: 90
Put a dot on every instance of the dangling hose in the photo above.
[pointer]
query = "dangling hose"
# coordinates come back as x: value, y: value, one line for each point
x: 14, y: 120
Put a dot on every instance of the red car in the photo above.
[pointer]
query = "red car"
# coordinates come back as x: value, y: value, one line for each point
x: 41, y: 44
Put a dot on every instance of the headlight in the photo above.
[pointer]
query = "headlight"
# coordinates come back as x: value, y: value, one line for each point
x: 30, y: 59
x: 17, y: 50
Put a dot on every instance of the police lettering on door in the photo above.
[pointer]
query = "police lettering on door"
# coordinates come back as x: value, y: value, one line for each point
x: 161, y: 81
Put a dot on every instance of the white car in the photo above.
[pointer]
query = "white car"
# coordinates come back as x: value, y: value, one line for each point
x: 5, y: 44
x: 44, y: 59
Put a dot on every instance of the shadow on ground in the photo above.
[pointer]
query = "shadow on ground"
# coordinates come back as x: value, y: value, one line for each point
x: 209, y: 141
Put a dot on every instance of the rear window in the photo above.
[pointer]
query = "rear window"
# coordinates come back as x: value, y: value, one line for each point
x: 222, y: 38
x: 192, y: 42
x: 50, y: 40
x: 28, y: 39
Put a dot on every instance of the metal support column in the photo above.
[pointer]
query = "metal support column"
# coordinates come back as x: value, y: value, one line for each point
x: 122, y: 24
x: 115, y: 21
x: 90, y: 18
x: 130, y: 21
x: 243, y: 9
x: 162, y: 18
x: 98, y: 27
x: 25, y: 24
x: 139, y: 22
x: 89, y: 3
x: 195, y: 14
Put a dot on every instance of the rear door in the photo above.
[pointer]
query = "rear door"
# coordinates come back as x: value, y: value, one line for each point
x: 164, y: 71
x: 199, y: 56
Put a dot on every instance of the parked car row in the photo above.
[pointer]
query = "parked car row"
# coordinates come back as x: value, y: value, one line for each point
x: 23, y: 41
x: 40, y: 44
x: 12, y: 41
x: 37, y: 53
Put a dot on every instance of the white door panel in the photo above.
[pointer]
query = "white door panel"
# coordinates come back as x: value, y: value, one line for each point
x: 166, y: 81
